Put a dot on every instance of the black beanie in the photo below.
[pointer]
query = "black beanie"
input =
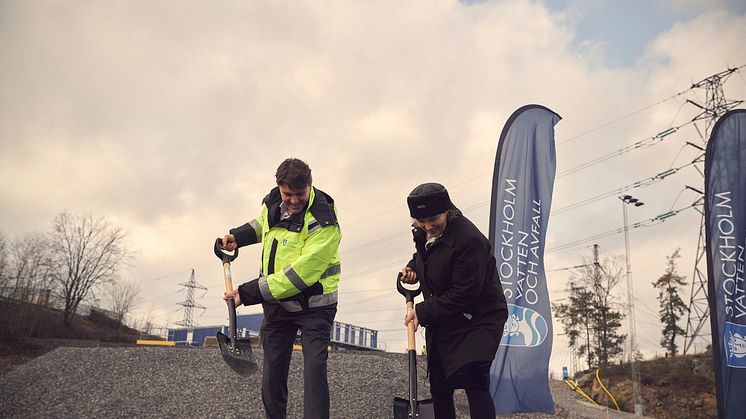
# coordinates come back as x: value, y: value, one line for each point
x: 427, y: 200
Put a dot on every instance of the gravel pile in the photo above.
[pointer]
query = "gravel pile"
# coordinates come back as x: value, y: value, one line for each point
x: 160, y: 382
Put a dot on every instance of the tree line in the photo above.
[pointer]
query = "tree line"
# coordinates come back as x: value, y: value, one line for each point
x: 591, y: 315
x: 80, y: 256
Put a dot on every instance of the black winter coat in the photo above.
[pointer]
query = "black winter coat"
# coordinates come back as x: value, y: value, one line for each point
x: 464, y: 309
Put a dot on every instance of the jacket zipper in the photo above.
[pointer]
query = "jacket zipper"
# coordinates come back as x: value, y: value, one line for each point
x: 272, y: 253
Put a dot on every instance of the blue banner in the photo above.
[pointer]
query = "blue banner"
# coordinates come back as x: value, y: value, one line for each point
x: 725, y: 228
x: 521, y: 199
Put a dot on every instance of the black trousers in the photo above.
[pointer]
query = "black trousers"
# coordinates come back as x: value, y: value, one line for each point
x: 278, y: 335
x: 473, y: 377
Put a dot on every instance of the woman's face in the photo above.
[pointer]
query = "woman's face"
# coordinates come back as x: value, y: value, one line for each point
x: 433, y: 226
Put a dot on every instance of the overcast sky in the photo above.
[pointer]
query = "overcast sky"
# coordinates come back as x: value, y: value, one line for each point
x: 169, y: 118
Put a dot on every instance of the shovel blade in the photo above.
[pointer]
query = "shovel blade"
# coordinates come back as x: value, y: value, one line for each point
x: 424, y: 408
x: 401, y: 408
x: 239, y: 357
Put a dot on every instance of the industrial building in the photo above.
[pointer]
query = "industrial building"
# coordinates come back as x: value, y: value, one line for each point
x: 344, y: 336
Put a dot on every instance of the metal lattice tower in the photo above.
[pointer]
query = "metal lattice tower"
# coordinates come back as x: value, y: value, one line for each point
x: 629, y: 200
x: 574, y: 360
x: 715, y: 106
x: 189, y: 305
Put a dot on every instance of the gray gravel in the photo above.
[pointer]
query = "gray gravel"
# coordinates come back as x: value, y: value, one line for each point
x: 187, y: 382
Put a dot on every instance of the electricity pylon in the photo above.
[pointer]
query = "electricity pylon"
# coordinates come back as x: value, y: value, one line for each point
x: 189, y: 304
x: 715, y: 106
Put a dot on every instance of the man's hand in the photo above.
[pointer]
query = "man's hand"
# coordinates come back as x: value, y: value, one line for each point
x: 408, y: 275
x: 229, y: 243
x: 411, y: 316
x: 233, y: 294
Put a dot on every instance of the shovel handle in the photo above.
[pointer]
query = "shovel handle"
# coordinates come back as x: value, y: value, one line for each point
x: 410, y: 329
x: 409, y: 294
x: 228, y: 277
x: 220, y: 253
x: 227, y: 258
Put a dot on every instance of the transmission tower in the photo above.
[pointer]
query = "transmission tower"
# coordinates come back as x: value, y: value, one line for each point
x: 715, y: 106
x: 189, y: 305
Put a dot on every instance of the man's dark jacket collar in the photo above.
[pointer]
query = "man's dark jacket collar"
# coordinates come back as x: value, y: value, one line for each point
x: 321, y: 209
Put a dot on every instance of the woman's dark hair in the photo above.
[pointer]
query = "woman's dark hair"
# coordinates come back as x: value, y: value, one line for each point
x: 293, y: 173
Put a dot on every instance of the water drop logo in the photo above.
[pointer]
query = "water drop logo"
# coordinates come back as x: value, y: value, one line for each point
x: 525, y: 327
x: 735, y: 344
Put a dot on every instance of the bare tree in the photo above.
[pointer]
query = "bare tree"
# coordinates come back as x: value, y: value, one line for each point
x: 591, y: 317
x: 30, y: 268
x: 87, y: 251
x: 145, y: 323
x: 606, y: 277
x: 123, y: 297
x: 4, y: 274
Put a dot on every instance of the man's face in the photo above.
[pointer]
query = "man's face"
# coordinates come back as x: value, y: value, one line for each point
x: 294, y: 199
x: 434, y: 225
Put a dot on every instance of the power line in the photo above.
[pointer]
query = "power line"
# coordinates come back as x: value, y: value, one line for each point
x: 638, y: 144
x: 400, y: 207
x: 567, y: 140
x: 644, y: 143
x: 639, y: 184
x: 569, y: 268
x: 158, y: 278
x: 647, y: 223
x: 388, y: 294
x: 374, y: 242
x: 160, y: 296
x: 399, y: 264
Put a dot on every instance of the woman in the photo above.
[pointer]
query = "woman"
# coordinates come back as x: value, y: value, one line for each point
x: 464, y: 308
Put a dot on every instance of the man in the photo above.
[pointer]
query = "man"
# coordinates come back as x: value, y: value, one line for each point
x: 297, y: 284
x: 464, y: 309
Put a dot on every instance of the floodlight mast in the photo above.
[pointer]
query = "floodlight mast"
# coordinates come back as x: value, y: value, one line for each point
x: 627, y: 200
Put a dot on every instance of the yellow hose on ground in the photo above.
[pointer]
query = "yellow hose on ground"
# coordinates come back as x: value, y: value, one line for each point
x: 573, y: 385
x: 607, y: 391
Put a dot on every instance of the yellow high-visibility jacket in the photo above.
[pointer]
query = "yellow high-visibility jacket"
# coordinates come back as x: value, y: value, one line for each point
x: 300, y: 266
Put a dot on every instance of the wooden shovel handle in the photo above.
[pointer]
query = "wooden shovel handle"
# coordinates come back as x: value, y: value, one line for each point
x: 227, y: 276
x: 410, y: 328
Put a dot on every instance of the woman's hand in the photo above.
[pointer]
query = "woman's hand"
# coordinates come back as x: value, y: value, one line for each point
x: 408, y: 275
x: 411, y: 316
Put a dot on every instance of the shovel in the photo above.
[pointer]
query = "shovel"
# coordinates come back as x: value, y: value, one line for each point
x: 412, y: 408
x: 236, y: 352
